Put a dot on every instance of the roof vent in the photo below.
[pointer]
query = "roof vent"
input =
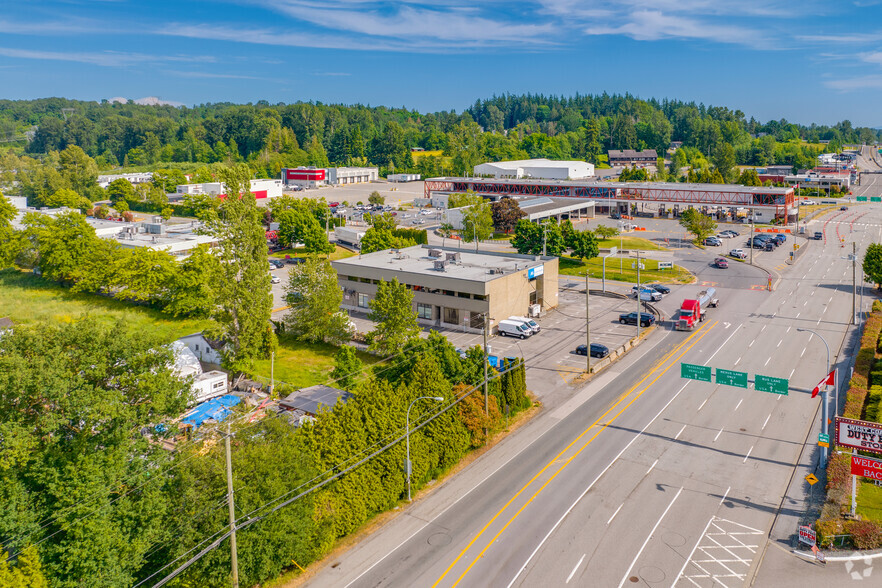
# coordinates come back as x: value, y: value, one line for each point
x: 453, y: 257
x: 440, y: 265
x: 434, y: 253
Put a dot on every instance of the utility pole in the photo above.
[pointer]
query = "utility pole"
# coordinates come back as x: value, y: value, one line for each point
x: 486, y: 394
x: 853, y: 282
x: 230, y: 502
x: 751, y: 236
x: 639, y: 313
x: 587, y: 328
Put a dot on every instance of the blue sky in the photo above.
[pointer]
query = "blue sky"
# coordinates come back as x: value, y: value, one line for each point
x: 803, y: 60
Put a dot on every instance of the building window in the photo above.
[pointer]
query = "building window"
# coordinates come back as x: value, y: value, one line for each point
x: 476, y: 320
x: 451, y: 316
x: 424, y: 311
x: 480, y: 296
x: 363, y: 300
x: 463, y: 295
x: 449, y: 293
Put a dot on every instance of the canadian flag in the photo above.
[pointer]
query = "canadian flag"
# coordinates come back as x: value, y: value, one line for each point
x: 829, y: 379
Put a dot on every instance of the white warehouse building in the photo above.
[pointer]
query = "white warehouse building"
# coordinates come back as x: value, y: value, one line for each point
x: 544, y: 169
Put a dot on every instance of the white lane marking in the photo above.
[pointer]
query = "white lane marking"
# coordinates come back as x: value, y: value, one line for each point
x: 723, y: 498
x: 819, y: 322
x: 797, y: 314
x: 718, y: 434
x: 648, y: 537
x: 650, y: 468
x: 677, y: 436
x: 739, y: 404
x: 748, y: 454
x: 570, y: 577
x: 691, y: 553
x: 751, y: 343
x: 779, y: 343
x: 768, y: 359
x: 767, y: 422
x: 763, y: 329
x: 813, y: 293
x: 803, y: 351
x: 804, y: 303
x: 737, y: 361
x: 788, y: 329
x: 702, y: 404
x: 615, y: 513
x: 831, y: 300
x: 791, y: 373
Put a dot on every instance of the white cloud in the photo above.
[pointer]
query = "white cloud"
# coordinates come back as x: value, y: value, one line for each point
x: 870, y: 82
x: 101, y: 58
x: 653, y: 25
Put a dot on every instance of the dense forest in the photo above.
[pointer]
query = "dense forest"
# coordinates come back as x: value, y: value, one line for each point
x: 270, y: 137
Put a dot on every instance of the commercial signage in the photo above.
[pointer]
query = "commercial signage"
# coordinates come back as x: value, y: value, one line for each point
x: 732, y: 378
x: 665, y: 265
x: 807, y: 535
x: 859, y: 434
x: 875, y: 199
x: 305, y: 174
x: 535, y: 272
x: 769, y: 384
x: 695, y: 372
x: 866, y: 467
x: 861, y: 198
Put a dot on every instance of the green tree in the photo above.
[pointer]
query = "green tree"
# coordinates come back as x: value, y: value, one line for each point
x: 100, y: 483
x: 167, y: 212
x: 63, y: 244
x: 506, y: 214
x: 605, y: 232
x: 477, y: 223
x: 10, y: 239
x: 299, y: 226
x: 724, y: 160
x: 530, y: 238
x: 69, y: 198
x: 120, y: 189
x: 347, y: 368
x: 458, y: 200
x: 446, y: 231
x: 584, y: 245
x: 873, y: 263
x: 749, y: 177
x: 190, y: 290
x: 382, y: 222
x: 168, y: 180
x: 314, y: 297
x: 376, y: 198
x: 79, y: 170
x: 698, y: 224
x: 392, y: 310
x: 242, y: 284
x: 25, y: 573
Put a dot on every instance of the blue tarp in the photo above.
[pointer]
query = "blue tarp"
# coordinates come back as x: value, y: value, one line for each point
x: 216, y: 408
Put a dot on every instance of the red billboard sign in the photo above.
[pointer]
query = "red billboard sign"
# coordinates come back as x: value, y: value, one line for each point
x: 866, y: 467
x: 862, y: 435
x: 315, y: 175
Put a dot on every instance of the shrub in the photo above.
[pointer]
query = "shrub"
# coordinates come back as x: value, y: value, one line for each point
x: 874, y: 398
x: 865, y: 534
x: 827, y: 530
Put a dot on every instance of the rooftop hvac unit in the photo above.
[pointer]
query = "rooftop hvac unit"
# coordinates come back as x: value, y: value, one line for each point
x: 440, y: 265
x: 434, y: 253
x: 157, y: 220
x: 453, y: 257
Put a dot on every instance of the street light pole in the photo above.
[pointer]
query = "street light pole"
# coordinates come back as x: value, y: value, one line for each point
x: 853, y: 282
x: 587, y: 329
x: 824, y: 398
x: 407, y: 467
x: 639, y: 312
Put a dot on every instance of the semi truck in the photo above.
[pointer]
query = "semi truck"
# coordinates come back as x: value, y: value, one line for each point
x: 692, y: 310
x: 348, y: 236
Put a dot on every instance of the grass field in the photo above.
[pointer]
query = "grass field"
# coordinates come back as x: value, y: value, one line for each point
x: 339, y: 253
x: 629, y: 243
x: 26, y: 298
x: 620, y: 270
x: 869, y: 503
x: 303, y: 364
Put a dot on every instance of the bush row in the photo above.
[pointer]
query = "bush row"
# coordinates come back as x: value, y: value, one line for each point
x: 419, y: 236
x: 866, y: 382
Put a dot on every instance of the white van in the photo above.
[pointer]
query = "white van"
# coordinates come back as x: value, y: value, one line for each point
x: 514, y: 329
x: 533, y: 325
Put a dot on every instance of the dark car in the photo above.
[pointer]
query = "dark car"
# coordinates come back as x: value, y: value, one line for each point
x: 615, y: 215
x: 721, y: 263
x: 630, y: 318
x: 660, y: 288
x: 843, y: 208
x: 713, y: 241
x: 818, y: 235
x: 597, y: 350
x: 780, y: 238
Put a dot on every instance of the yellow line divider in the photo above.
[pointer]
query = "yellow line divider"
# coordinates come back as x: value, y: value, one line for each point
x: 573, y: 442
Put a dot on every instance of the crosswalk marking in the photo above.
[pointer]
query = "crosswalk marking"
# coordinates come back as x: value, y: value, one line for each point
x: 724, y: 552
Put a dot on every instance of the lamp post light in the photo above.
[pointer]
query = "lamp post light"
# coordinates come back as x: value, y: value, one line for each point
x: 824, y: 400
x: 407, y: 467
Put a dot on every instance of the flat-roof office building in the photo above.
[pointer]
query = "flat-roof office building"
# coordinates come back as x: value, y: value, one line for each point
x: 454, y: 287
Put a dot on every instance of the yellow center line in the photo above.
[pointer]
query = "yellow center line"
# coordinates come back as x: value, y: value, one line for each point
x: 573, y: 442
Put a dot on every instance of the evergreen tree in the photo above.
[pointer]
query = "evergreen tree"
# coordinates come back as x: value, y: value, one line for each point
x: 392, y: 310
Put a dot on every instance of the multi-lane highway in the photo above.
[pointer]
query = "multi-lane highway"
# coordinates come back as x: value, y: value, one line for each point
x: 642, y: 477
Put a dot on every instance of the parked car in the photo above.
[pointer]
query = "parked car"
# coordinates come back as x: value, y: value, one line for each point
x: 738, y: 253
x: 843, y: 208
x: 630, y: 318
x: 514, y: 329
x: 615, y: 215
x: 276, y: 280
x: 597, y: 350
x: 661, y: 288
x: 729, y: 233
x: 808, y: 202
x: 277, y: 263
x: 528, y: 322
x: 721, y: 263
x: 713, y: 242
x: 818, y: 235
x: 646, y: 294
x: 780, y: 238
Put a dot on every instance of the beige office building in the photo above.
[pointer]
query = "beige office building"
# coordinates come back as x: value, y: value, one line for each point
x: 454, y: 287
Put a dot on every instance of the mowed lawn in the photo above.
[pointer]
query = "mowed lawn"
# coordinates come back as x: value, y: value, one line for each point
x: 26, y: 298
x: 303, y: 364
x: 338, y: 253
x: 869, y: 503
x: 629, y: 243
x: 619, y: 269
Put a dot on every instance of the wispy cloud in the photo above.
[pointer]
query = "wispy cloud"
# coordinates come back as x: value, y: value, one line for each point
x: 869, y: 82
x: 101, y: 58
x: 652, y: 25
x: 210, y: 75
x: 332, y: 73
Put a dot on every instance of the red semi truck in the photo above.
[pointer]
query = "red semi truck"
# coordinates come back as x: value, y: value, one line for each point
x: 692, y: 310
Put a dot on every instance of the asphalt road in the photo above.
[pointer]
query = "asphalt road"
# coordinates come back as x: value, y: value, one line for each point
x: 641, y: 477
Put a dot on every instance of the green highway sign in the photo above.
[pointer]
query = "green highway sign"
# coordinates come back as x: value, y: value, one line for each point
x: 732, y: 378
x: 695, y: 372
x: 875, y: 198
x: 824, y: 440
x: 861, y: 198
x: 770, y: 384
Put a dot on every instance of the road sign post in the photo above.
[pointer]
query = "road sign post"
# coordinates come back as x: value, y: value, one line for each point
x: 770, y: 384
x: 691, y: 371
x: 824, y: 440
x: 732, y: 378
